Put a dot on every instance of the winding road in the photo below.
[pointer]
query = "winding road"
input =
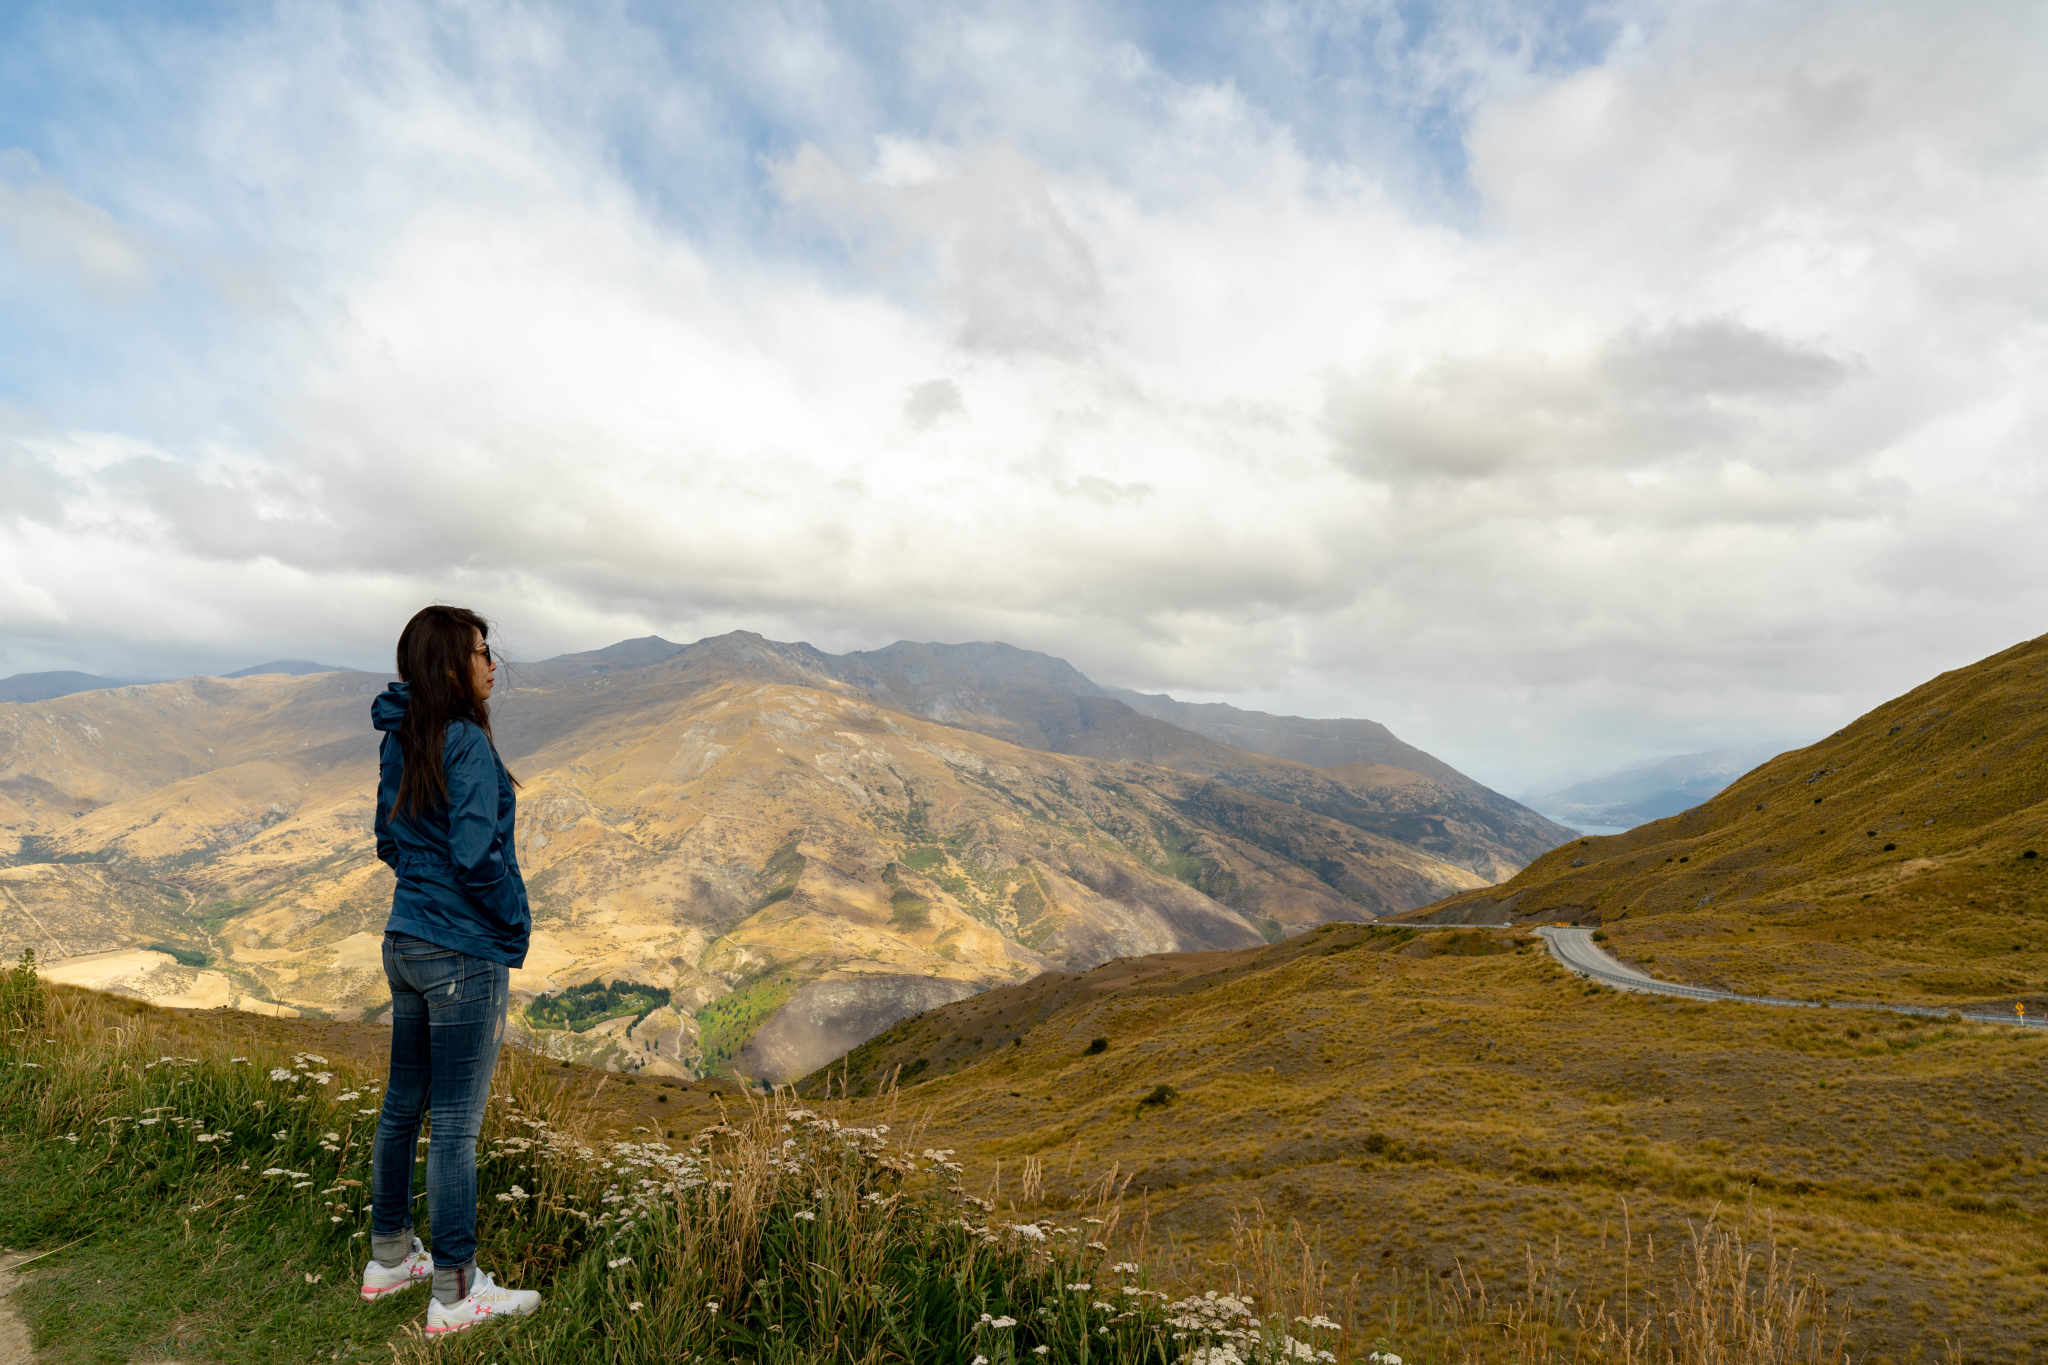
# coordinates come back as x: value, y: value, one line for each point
x: 1578, y: 952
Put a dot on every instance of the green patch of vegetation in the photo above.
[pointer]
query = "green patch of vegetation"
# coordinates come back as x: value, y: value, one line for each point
x: 186, y: 957
x: 922, y: 859
x: 1270, y: 930
x: 725, y: 1025
x: 909, y: 911
x: 40, y: 848
x: 582, y: 1008
x: 1158, y: 1097
x: 784, y: 868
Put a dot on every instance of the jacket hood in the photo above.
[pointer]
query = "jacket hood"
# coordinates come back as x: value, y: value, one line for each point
x: 387, y: 712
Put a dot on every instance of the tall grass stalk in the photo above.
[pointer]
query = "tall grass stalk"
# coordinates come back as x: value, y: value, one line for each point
x: 1722, y: 1300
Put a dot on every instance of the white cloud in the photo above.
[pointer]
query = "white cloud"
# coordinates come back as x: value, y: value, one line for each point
x: 1717, y: 422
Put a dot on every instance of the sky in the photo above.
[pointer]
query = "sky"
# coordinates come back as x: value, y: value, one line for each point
x: 1559, y: 384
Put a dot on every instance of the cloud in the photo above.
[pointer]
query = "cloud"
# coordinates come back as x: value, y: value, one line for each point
x: 1556, y: 391
x: 48, y: 228
x: 1650, y: 396
x: 984, y: 231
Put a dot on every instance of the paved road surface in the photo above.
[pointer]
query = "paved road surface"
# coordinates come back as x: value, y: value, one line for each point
x: 1576, y: 950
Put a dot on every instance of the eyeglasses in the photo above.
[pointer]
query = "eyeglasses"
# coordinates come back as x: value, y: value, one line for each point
x: 484, y: 652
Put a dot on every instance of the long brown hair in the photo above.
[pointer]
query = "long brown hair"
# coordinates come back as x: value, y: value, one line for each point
x: 436, y: 658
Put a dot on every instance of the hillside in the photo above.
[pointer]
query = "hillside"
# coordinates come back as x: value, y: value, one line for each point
x: 1425, y: 1102
x: 796, y: 865
x: 1897, y: 859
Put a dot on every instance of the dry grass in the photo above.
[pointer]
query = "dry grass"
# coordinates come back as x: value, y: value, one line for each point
x: 1889, y: 862
x: 1422, y: 1115
x: 887, y: 1247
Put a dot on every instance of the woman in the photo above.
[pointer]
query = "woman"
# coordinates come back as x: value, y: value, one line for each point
x: 458, y: 926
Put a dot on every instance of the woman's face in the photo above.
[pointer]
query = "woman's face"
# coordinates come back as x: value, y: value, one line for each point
x: 483, y: 669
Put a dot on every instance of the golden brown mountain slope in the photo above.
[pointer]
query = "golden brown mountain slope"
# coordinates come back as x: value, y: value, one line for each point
x: 1895, y: 860
x: 1425, y: 1100
x: 799, y: 866
x: 1042, y: 702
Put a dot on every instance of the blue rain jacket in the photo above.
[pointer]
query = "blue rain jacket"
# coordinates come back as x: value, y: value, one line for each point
x: 458, y: 877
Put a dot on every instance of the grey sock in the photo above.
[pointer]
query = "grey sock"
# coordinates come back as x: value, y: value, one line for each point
x: 390, y: 1250
x: 452, y: 1283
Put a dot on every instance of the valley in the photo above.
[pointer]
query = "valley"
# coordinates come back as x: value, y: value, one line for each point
x: 795, y: 849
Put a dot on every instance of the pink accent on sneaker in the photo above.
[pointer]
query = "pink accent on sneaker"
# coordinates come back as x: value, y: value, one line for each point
x: 380, y: 1279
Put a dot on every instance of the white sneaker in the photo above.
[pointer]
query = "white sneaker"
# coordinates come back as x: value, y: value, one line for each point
x: 486, y: 1300
x: 380, y: 1279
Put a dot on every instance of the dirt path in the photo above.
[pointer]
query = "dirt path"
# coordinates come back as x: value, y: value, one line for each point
x: 14, y: 1346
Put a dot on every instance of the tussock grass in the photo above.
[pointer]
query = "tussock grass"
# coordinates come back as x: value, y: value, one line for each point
x: 206, y: 1201
x: 235, y: 1225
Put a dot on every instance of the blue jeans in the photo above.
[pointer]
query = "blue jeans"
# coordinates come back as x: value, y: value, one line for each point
x: 447, y: 1022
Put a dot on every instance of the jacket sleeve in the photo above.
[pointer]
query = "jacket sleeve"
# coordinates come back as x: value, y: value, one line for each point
x: 473, y: 826
x: 388, y: 772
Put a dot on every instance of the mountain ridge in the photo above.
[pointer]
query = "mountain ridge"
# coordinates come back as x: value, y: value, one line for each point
x: 734, y: 821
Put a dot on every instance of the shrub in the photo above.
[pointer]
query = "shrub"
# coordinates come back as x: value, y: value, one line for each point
x: 1095, y: 1045
x: 21, y: 998
x: 1160, y: 1095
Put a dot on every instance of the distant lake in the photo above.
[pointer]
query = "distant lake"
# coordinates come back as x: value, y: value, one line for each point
x: 1603, y: 829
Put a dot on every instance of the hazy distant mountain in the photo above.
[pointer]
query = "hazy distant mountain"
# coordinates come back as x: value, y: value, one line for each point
x: 297, y: 668
x: 44, y: 686
x: 1651, y: 790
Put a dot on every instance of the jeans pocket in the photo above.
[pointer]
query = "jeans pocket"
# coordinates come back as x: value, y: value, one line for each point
x: 438, y: 977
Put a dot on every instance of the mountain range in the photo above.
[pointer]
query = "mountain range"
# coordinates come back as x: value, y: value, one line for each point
x: 800, y: 847
x: 65, y: 683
